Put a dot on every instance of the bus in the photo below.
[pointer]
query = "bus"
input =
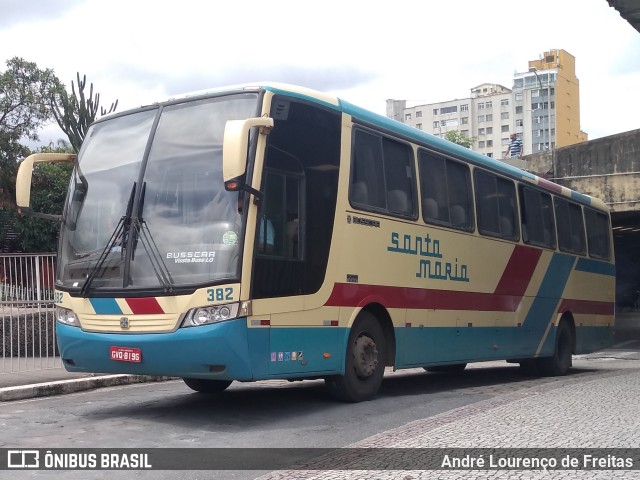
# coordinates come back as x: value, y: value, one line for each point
x: 274, y: 232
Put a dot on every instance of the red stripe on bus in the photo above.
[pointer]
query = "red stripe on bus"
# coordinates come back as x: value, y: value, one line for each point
x: 351, y: 295
x: 587, y: 307
x: 518, y: 272
x: 140, y: 306
x: 506, y: 297
x: 554, y: 187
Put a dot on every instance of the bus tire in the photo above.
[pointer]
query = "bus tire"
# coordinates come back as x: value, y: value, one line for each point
x: 455, y: 368
x: 364, y: 362
x: 207, y: 386
x: 560, y: 362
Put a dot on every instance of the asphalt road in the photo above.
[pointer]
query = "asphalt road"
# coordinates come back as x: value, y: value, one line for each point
x: 263, y: 414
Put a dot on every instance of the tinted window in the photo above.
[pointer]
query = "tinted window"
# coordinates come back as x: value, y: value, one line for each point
x: 446, y: 191
x: 597, y: 233
x: 382, y: 176
x: 496, y: 204
x: 570, y: 226
x: 536, y: 211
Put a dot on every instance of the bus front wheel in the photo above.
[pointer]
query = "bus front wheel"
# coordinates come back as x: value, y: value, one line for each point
x: 207, y: 386
x: 364, y: 362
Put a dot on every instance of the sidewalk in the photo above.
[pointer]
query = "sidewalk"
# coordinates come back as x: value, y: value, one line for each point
x: 16, y: 385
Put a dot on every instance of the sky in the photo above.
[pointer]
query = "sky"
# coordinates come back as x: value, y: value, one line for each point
x: 422, y: 51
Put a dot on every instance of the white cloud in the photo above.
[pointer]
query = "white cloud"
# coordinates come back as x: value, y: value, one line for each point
x: 141, y: 51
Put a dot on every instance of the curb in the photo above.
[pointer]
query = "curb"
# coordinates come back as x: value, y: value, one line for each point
x: 62, y: 387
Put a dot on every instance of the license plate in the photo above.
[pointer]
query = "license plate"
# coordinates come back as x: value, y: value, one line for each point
x: 126, y: 354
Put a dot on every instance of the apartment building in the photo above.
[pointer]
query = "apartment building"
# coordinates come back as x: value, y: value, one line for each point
x: 542, y: 107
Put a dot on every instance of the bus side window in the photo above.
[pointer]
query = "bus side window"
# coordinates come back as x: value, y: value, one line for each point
x: 446, y: 191
x: 597, y: 224
x: 537, y: 217
x: 570, y: 226
x: 496, y: 206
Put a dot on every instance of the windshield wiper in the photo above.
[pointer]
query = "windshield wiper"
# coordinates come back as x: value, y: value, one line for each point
x: 140, y: 231
x: 119, y: 234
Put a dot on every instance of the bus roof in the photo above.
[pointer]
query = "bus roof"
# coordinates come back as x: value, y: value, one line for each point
x: 410, y: 133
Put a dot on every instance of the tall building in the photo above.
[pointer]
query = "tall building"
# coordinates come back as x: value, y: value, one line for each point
x: 542, y: 107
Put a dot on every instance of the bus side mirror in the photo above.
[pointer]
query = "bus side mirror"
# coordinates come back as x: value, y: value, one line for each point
x: 23, y: 181
x: 235, y: 149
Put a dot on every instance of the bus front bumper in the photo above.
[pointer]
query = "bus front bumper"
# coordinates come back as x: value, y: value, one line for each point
x: 217, y: 351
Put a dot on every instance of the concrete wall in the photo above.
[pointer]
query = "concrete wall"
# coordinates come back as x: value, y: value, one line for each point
x: 607, y: 168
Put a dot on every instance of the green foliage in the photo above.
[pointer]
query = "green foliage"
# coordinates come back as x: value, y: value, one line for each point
x: 24, y: 93
x: 75, y: 113
x: 456, y: 137
x: 48, y: 191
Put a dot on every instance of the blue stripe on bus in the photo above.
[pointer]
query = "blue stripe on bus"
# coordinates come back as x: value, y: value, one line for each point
x: 595, y: 266
x: 581, y: 197
x: 105, y: 306
x: 546, y: 301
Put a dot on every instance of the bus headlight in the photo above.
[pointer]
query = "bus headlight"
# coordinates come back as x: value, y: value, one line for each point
x: 66, y: 316
x: 214, y: 314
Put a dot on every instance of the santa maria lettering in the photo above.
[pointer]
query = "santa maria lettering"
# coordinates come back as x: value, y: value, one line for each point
x: 435, y: 266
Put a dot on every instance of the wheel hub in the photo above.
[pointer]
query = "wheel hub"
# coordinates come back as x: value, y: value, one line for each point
x: 365, y: 355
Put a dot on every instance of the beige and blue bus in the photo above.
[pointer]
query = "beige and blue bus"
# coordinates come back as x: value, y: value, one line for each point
x: 274, y: 232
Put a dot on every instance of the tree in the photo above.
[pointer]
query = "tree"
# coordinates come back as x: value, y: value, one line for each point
x: 74, y: 113
x: 24, y: 90
x: 456, y: 137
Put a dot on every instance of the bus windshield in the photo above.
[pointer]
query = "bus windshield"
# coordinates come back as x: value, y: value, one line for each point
x: 149, y: 214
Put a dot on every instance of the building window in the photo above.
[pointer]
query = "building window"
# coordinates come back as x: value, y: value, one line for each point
x: 464, y: 108
x: 488, y: 105
x: 419, y: 114
x: 481, y: 131
x: 519, y: 122
x: 436, y: 124
x: 505, y: 141
x: 518, y: 97
x: 504, y: 128
x: 535, y: 93
x: 451, y: 109
x: 480, y: 118
x: 435, y: 111
x: 490, y: 155
x: 489, y: 130
x: 464, y: 133
x: 464, y: 120
x: 489, y: 143
x: 489, y: 118
x: 504, y: 115
x: 407, y: 116
x: 481, y: 144
x: 481, y: 106
x: 504, y: 103
x: 419, y: 126
x: 519, y: 109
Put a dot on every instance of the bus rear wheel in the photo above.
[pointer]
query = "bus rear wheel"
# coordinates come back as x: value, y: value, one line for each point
x: 560, y: 362
x: 207, y: 386
x: 364, y: 362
